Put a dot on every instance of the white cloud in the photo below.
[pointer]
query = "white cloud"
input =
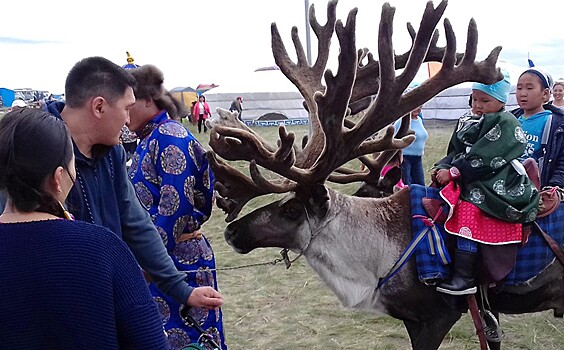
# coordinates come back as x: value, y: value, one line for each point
x: 219, y: 41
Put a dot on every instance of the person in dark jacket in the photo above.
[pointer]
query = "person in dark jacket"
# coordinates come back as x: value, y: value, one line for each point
x: 237, y: 105
x: 543, y: 125
x: 98, y: 96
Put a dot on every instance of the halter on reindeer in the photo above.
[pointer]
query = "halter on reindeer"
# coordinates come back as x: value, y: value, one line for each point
x: 353, y: 242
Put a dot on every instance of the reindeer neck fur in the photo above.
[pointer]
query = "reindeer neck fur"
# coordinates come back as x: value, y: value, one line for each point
x: 357, y: 243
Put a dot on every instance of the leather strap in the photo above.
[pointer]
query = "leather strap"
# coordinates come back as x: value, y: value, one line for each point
x: 552, y: 244
x: 473, y: 306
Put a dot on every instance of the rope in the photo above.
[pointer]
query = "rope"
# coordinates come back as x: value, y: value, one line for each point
x: 273, y: 262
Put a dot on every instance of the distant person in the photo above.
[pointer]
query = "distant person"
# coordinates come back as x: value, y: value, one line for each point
x: 237, y: 105
x: 66, y: 284
x: 488, y: 192
x: 50, y: 100
x: 98, y: 96
x: 412, y: 164
x: 17, y: 105
x: 43, y: 105
x: 202, y: 112
x: 174, y: 183
x: 192, y: 116
x: 558, y: 94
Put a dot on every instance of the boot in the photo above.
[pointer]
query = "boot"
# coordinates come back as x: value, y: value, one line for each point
x: 462, y: 282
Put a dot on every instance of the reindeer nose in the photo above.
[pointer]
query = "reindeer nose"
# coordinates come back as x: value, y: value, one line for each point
x: 230, y: 232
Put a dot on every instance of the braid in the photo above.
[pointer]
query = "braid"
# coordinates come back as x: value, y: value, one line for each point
x: 33, y: 144
x: 24, y: 196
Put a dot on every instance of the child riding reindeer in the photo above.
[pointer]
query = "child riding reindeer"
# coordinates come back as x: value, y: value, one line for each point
x: 486, y: 187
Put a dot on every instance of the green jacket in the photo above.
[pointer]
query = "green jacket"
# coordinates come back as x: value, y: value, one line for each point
x: 483, y: 149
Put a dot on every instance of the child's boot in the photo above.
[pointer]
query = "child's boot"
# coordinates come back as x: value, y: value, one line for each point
x: 463, y: 280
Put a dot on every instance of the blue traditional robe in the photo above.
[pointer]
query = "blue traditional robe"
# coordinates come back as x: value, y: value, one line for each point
x: 174, y: 182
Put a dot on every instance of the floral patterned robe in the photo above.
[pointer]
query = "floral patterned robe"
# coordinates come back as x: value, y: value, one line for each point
x: 174, y: 183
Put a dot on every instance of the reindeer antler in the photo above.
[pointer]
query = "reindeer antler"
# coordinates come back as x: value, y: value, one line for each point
x: 331, y: 145
x: 374, y: 165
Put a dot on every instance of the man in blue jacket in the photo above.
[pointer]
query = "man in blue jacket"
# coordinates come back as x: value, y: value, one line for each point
x: 99, y: 94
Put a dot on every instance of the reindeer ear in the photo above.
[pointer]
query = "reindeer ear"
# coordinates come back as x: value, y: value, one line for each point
x: 319, y: 199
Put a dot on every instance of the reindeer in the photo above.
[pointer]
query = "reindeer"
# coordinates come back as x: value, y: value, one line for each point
x: 353, y: 242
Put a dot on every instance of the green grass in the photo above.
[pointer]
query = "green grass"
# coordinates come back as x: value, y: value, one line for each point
x: 269, y: 307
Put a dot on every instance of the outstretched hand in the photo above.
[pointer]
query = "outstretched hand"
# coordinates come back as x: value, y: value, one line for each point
x: 205, y: 297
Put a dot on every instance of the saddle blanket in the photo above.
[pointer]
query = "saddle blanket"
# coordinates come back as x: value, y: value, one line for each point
x: 536, y: 255
x: 430, y: 265
x: 532, y: 258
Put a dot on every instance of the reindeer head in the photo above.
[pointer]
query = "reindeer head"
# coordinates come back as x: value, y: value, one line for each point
x: 335, y: 140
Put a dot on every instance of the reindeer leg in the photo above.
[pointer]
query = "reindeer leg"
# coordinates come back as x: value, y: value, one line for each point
x: 429, y: 334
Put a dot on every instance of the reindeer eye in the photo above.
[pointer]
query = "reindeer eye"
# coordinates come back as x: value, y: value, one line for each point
x: 292, y: 213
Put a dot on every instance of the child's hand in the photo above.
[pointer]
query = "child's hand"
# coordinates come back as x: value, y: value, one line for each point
x: 434, y: 175
x: 442, y: 177
x: 446, y: 175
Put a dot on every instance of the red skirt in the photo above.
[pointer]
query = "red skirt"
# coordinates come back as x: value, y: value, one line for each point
x: 468, y: 221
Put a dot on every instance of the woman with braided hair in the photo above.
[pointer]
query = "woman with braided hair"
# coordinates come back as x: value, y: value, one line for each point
x: 66, y: 284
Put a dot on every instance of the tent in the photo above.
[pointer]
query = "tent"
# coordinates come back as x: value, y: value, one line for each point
x: 8, y: 96
x: 186, y: 95
x: 269, y: 92
x: 264, y: 93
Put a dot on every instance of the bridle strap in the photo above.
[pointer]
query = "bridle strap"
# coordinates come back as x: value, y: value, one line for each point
x: 312, y: 235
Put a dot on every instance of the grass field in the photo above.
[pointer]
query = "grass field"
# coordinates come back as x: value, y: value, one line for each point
x: 269, y: 307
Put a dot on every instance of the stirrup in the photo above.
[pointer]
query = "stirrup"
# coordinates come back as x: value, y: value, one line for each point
x: 492, y: 330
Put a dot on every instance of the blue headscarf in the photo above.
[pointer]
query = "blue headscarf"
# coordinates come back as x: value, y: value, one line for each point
x: 499, y: 91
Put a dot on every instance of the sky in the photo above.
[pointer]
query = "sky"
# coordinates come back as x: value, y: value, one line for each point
x: 224, y: 41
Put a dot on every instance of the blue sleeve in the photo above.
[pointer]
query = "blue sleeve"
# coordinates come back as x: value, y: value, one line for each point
x: 186, y: 189
x: 144, y: 241
x: 397, y: 125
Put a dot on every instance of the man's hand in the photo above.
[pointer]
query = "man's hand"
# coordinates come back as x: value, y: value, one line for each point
x: 205, y: 297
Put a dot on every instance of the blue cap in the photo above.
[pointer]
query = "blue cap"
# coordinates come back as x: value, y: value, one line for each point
x: 499, y: 91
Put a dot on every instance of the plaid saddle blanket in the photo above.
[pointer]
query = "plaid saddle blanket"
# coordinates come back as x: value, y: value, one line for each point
x: 532, y: 258
x: 430, y: 251
x: 536, y: 255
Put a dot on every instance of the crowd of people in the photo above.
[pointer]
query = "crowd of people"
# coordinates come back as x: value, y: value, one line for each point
x: 124, y: 248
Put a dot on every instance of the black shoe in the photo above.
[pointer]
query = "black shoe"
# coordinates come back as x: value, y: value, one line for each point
x: 458, y: 286
x: 462, y: 282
